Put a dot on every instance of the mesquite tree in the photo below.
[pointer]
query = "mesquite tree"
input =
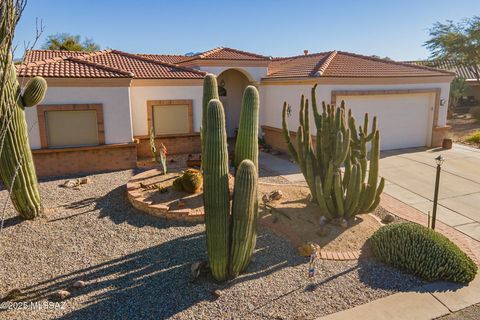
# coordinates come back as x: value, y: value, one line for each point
x: 340, y: 194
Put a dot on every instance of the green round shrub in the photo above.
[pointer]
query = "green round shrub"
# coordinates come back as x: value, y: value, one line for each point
x: 177, y: 184
x: 423, y: 252
x: 192, y: 181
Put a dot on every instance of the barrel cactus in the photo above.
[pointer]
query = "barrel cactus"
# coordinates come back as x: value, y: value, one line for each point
x: 17, y: 169
x: 339, y: 194
x: 231, y: 234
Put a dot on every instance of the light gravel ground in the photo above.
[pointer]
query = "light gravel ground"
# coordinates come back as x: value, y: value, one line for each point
x: 138, y: 267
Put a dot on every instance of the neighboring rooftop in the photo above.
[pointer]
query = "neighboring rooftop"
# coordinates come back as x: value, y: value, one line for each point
x: 449, y: 65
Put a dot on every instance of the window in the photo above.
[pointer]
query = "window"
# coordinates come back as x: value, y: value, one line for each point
x: 71, y: 128
x: 170, y: 116
x: 70, y: 125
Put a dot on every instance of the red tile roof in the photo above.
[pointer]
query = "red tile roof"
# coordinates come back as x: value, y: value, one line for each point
x: 300, y: 66
x: 69, y: 67
x: 343, y: 64
x: 101, y: 64
x: 460, y: 69
x: 223, y: 53
x: 167, y: 58
x: 36, y: 55
x: 113, y: 63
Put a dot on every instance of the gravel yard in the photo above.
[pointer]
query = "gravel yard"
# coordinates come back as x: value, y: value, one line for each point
x: 138, y: 267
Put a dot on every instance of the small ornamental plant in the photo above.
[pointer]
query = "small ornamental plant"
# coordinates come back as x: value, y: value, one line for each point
x: 161, y: 156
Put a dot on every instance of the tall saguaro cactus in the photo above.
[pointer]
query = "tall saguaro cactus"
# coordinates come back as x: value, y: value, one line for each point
x: 17, y: 170
x: 339, y: 194
x: 210, y: 91
x: 231, y: 234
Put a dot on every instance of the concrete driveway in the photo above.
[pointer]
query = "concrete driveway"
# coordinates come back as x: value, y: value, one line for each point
x: 410, y: 177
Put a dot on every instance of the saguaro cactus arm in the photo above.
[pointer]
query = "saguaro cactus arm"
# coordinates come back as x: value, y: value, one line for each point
x: 17, y: 170
x: 244, y: 211
x: 246, y: 146
x: 216, y: 194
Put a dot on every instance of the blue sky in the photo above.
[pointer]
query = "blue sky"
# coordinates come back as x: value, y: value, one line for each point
x: 396, y: 29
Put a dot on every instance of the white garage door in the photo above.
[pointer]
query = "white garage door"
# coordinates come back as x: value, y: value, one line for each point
x: 405, y: 120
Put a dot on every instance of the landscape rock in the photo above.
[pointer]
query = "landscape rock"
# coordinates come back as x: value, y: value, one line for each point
x: 265, y: 198
x: 62, y: 294
x: 78, y: 284
x: 389, y: 218
x: 71, y: 183
x: 197, y: 268
x: 84, y: 180
x: 216, y: 293
x: 276, y: 195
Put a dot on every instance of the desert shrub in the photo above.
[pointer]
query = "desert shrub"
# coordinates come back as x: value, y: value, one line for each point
x: 475, y: 112
x: 474, y: 137
x: 190, y: 181
x: 177, y: 184
x: 423, y: 252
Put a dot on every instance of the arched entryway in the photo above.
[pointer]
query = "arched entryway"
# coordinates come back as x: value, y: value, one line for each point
x: 231, y: 84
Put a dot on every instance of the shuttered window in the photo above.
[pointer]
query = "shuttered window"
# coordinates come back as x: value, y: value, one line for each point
x: 71, y: 128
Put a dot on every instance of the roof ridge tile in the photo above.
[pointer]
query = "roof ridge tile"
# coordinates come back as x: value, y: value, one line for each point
x: 323, y: 67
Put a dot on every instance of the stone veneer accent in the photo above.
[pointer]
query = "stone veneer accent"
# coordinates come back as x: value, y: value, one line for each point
x: 56, y: 162
x: 176, y: 144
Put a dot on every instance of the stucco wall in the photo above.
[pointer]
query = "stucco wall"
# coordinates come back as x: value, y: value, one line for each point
x: 273, y: 96
x: 252, y: 73
x: 140, y: 96
x: 116, y: 110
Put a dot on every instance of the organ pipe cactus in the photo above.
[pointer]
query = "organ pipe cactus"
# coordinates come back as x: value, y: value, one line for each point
x: 17, y: 169
x: 230, y: 236
x: 339, y: 194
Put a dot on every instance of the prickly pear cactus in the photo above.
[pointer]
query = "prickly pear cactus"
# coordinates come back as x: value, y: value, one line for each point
x: 17, y: 169
x: 231, y: 235
x: 339, y: 194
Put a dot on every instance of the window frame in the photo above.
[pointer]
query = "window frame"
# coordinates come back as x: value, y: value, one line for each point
x: 42, y: 123
x: 153, y: 103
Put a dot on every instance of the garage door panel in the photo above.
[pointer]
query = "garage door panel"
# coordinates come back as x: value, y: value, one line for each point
x: 404, y: 119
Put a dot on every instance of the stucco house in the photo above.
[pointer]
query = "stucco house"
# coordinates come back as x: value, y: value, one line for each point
x: 100, y: 106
